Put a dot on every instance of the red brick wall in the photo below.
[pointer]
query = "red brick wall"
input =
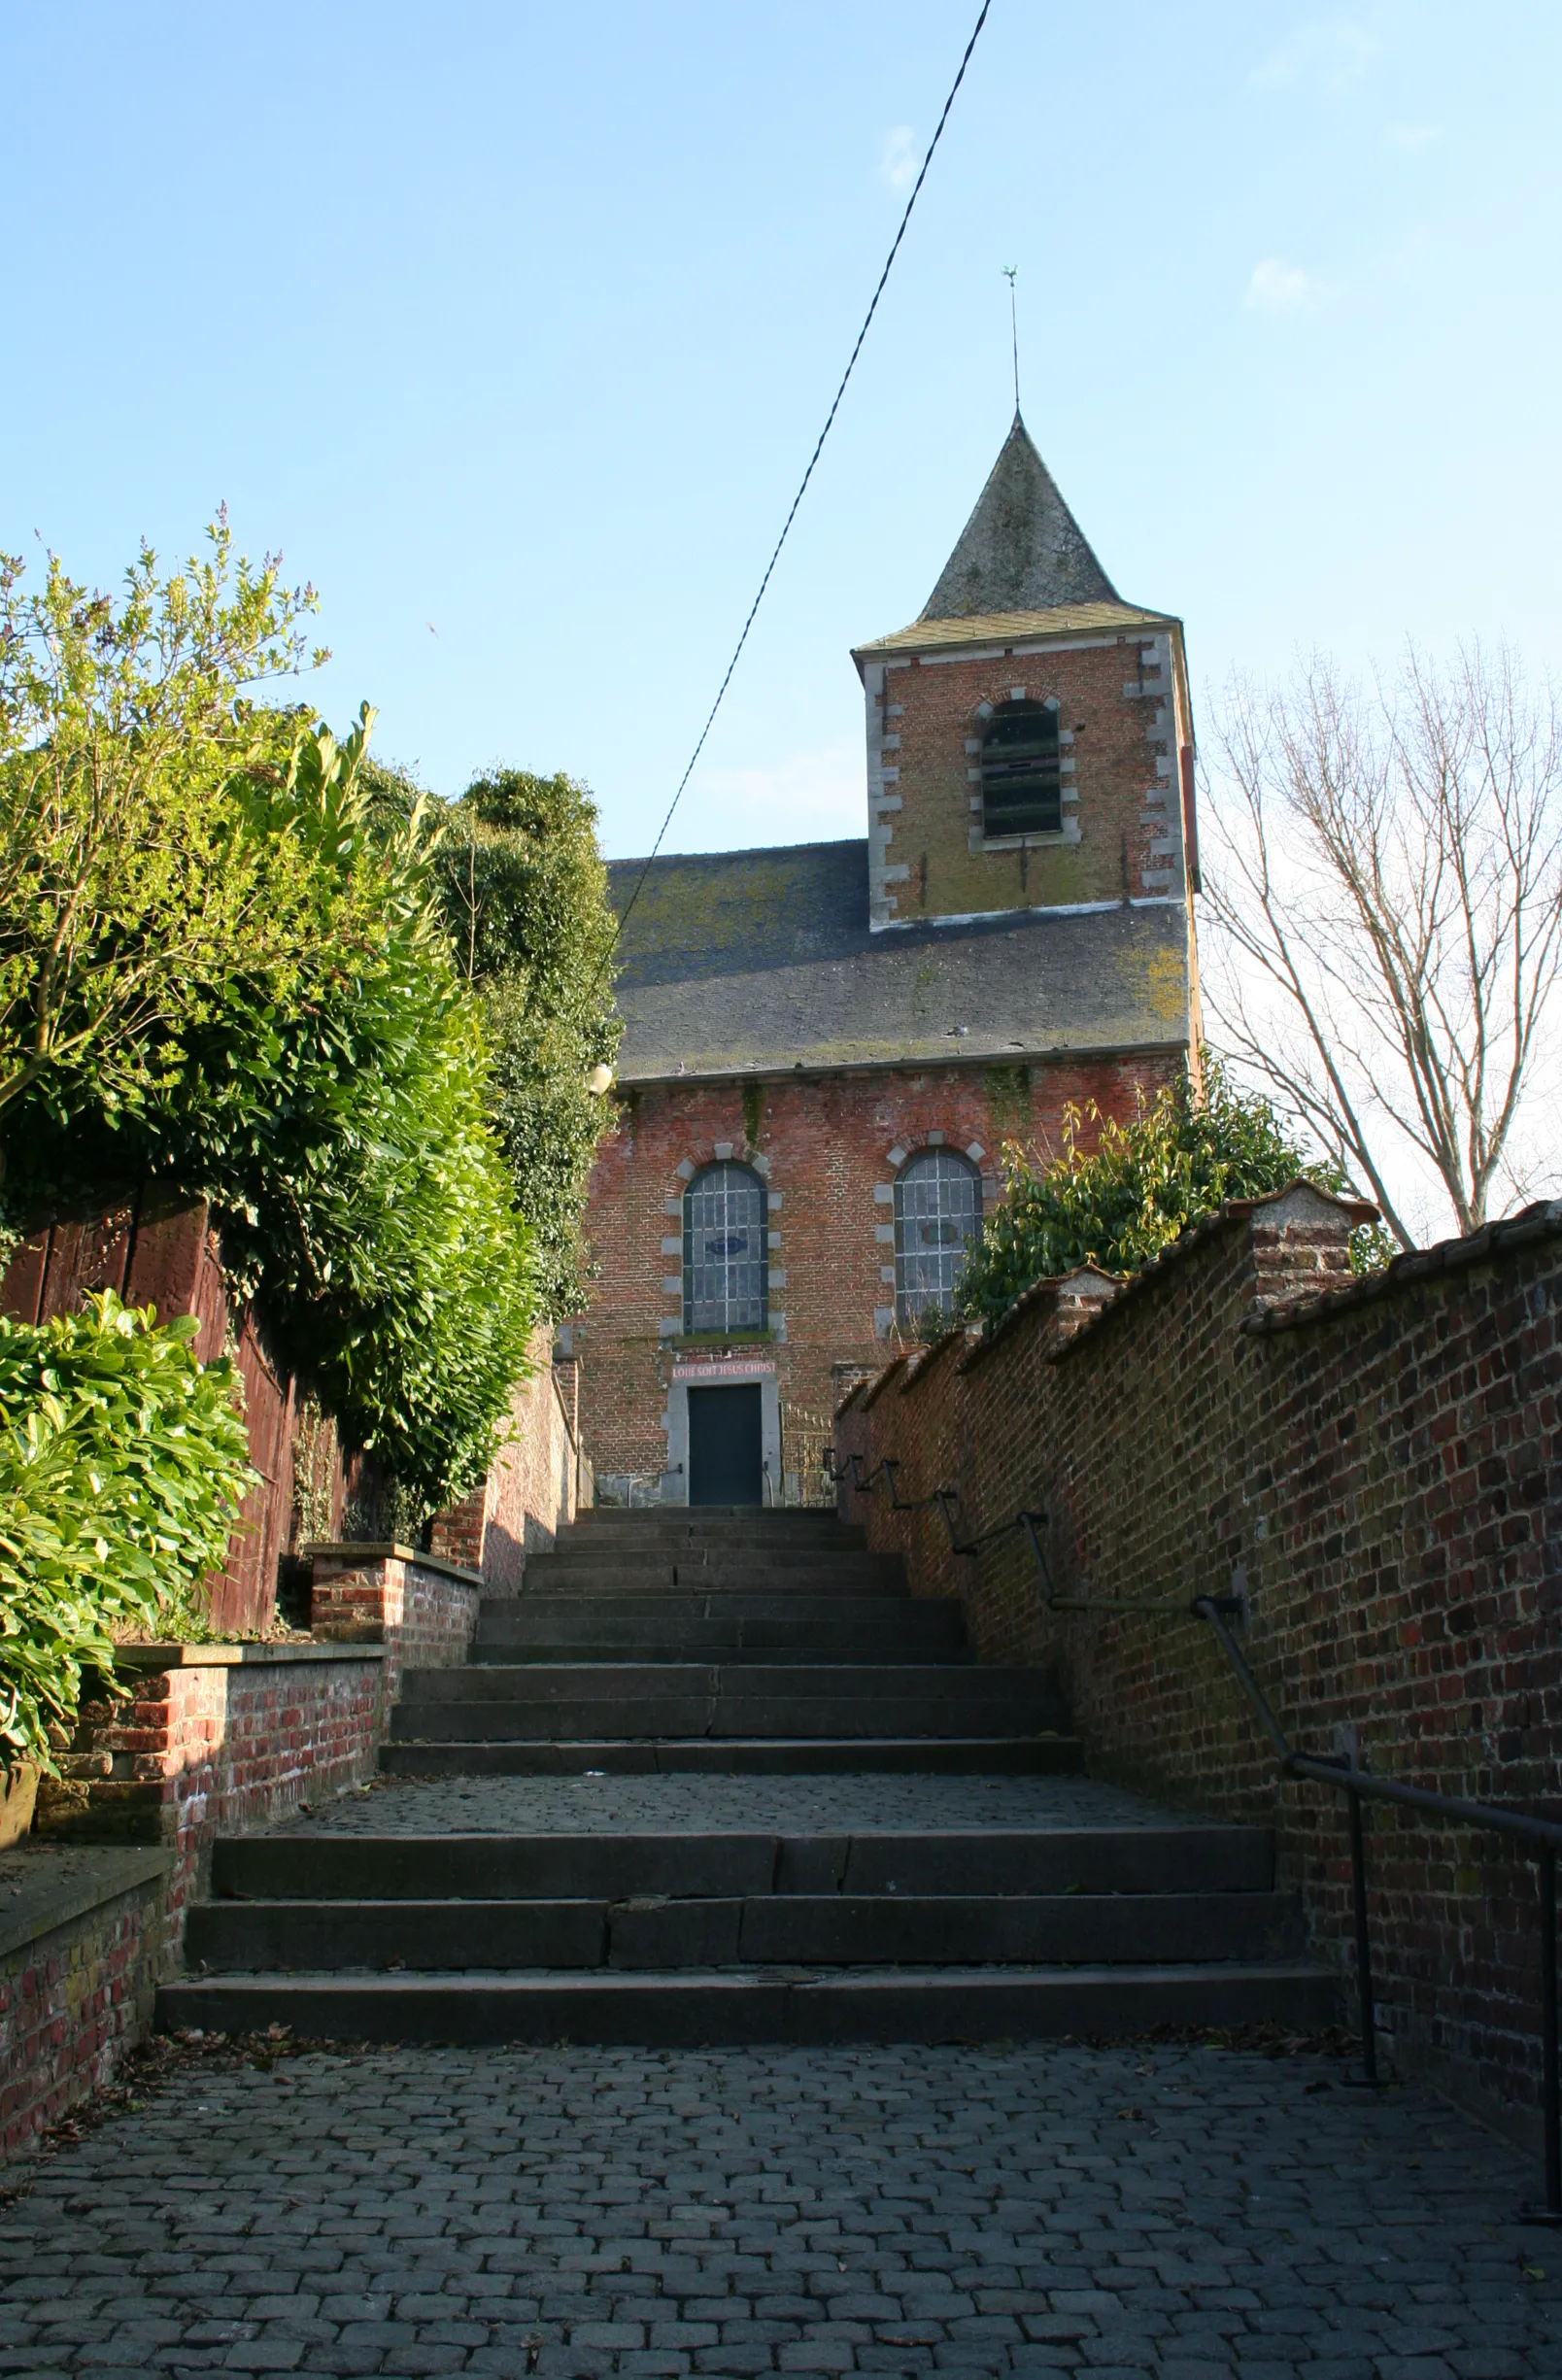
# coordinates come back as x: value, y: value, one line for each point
x: 1380, y: 1471
x: 214, y: 1748
x: 1122, y: 837
x: 421, y: 1615
x: 826, y: 1142
x: 215, y: 1744
x: 71, y: 2005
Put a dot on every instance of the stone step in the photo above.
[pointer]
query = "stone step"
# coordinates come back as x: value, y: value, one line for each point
x: 796, y: 1609
x: 707, y: 1546
x: 1043, y: 1753
x: 744, y: 2006
x: 976, y: 1688
x: 788, y: 1526
x: 715, y: 1642
x: 497, y: 1701
x: 600, y: 1572
x: 762, y: 1929
x: 1119, y: 1862
x: 931, y: 1632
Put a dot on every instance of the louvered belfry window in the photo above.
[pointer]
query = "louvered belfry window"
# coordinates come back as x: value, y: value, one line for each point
x: 1022, y: 784
x: 726, y: 1269
x: 938, y: 1214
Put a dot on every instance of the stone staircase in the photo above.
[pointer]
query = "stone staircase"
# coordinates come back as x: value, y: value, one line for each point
x: 681, y: 1677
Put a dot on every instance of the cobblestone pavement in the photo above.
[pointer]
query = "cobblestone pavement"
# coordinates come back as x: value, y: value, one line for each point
x: 1182, y: 2213
x: 802, y: 1805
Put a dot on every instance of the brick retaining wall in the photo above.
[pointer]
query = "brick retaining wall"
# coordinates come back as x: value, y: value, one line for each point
x: 421, y: 1609
x: 80, y: 1938
x: 215, y: 1738
x: 1378, y: 1467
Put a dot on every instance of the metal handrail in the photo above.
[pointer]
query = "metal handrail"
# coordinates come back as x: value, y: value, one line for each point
x: 1542, y: 1837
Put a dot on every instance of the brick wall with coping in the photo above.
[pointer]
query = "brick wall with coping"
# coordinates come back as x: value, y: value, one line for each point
x: 1377, y: 1467
x: 209, y: 1739
x: 214, y: 1739
x: 80, y: 1943
x: 420, y: 1610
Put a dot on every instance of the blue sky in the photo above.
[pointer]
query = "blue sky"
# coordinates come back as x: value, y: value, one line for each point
x: 512, y: 328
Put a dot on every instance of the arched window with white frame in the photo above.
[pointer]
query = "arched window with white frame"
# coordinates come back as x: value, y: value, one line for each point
x: 726, y: 1269
x: 938, y: 1214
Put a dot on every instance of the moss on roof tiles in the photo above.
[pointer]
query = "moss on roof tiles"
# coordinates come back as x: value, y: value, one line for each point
x: 762, y: 960
x: 1015, y: 627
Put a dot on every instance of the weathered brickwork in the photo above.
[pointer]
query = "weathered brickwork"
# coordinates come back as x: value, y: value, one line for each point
x: 420, y: 1610
x: 1378, y: 1470
x: 215, y: 1743
x: 72, y: 2003
x: 209, y: 1740
x: 1121, y: 836
x: 824, y: 1144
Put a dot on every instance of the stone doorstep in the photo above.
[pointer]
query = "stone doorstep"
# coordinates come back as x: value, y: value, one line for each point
x: 339, y: 1556
x: 44, y: 1886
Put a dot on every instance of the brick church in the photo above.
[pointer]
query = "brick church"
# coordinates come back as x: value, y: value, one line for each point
x: 827, y: 1044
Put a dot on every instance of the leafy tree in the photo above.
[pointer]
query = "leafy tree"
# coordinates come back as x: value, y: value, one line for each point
x: 222, y: 962
x: 1119, y: 1202
x: 343, y: 1138
x: 523, y: 893
x: 131, y: 890
x: 122, y: 1465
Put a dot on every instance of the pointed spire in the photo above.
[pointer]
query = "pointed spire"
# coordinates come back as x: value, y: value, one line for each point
x: 1022, y: 550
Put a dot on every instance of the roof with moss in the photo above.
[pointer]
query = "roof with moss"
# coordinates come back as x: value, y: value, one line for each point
x: 1023, y: 569
x: 738, y: 962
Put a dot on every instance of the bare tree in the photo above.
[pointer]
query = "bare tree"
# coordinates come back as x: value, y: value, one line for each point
x: 1386, y: 902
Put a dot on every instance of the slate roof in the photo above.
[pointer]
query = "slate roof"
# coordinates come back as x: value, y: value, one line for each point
x: 738, y: 962
x: 1022, y: 550
x: 1008, y: 629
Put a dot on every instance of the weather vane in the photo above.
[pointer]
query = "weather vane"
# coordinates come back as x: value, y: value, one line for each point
x: 1009, y: 272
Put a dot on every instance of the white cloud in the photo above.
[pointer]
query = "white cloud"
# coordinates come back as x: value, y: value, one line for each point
x: 1276, y: 287
x: 812, y: 797
x: 1335, y: 52
x: 898, y: 160
x: 1408, y: 138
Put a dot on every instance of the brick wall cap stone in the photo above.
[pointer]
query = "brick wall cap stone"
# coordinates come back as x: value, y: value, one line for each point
x: 1084, y: 1281
x: 149, y: 1660
x: 344, y: 1554
x: 929, y: 1358
x: 1298, y: 1203
x: 1530, y: 1226
x: 57, y: 1882
x: 875, y: 1388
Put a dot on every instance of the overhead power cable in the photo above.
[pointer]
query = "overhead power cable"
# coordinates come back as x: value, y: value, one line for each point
x: 802, y: 485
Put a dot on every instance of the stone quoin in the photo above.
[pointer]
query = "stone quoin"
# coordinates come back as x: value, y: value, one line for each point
x: 827, y: 1046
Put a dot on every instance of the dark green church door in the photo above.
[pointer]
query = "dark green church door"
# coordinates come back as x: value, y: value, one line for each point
x: 725, y: 1458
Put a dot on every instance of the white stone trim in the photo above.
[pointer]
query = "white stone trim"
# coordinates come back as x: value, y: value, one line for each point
x: 1041, y: 908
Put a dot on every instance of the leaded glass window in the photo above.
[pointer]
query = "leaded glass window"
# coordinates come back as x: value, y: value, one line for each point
x: 726, y: 1271
x: 1022, y: 779
x: 938, y: 1214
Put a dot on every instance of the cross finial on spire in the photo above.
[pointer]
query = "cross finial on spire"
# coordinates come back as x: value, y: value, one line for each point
x: 1010, y: 272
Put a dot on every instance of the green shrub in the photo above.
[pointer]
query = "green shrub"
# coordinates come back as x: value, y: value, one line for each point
x: 122, y: 1465
x: 338, y: 1123
x: 523, y: 892
x: 366, y: 1202
x: 1118, y: 1203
